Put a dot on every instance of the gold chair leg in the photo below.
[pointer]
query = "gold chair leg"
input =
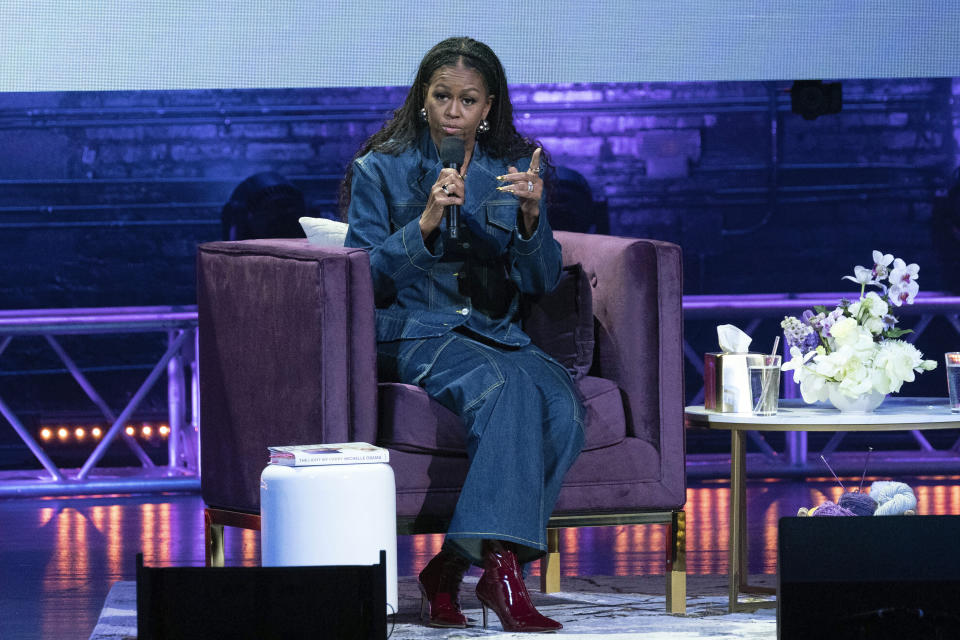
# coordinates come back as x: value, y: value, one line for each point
x: 677, y: 564
x: 214, y: 520
x: 213, y: 539
x: 550, y: 563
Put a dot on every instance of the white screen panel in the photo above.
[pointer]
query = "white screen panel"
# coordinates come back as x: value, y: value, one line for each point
x: 65, y: 45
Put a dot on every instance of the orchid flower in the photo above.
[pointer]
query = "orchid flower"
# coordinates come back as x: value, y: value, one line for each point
x: 903, y: 272
x: 903, y: 282
x: 901, y: 293
x: 880, y: 263
x: 797, y: 359
x: 861, y: 275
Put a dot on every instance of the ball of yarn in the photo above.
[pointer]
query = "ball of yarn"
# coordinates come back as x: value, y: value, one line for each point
x: 859, y: 503
x: 831, y: 509
x: 893, y: 498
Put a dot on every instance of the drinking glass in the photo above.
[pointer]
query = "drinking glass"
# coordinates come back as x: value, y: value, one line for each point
x: 765, y: 386
x: 953, y: 379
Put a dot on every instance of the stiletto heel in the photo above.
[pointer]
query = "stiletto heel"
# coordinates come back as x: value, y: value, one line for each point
x: 439, y: 583
x: 502, y: 589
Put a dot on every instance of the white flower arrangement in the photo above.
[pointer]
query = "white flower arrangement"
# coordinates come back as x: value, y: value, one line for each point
x: 854, y: 349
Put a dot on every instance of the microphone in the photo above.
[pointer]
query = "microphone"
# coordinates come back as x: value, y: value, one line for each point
x: 451, y: 155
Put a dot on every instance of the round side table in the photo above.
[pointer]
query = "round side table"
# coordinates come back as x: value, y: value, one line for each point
x: 895, y: 414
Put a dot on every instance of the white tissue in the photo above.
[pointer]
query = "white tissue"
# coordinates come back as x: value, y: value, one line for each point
x: 732, y: 339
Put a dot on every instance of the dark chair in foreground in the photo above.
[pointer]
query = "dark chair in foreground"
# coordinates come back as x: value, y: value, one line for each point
x: 287, y: 356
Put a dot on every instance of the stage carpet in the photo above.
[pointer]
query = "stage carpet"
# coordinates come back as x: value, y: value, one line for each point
x: 611, y: 608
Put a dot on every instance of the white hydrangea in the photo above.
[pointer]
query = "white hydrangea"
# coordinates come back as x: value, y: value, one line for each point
x: 869, y: 306
x: 897, y: 361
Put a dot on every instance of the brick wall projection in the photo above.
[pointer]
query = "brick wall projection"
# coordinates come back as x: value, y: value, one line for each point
x: 104, y: 196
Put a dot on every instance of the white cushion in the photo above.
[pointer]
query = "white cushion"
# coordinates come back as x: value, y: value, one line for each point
x: 324, y: 232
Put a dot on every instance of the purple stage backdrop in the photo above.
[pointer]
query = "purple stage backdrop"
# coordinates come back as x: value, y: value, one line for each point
x: 105, y: 195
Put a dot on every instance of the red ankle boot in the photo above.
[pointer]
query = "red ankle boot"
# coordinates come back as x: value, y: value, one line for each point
x: 501, y: 588
x: 439, y: 584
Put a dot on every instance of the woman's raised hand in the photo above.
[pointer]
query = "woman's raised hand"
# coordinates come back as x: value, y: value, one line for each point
x: 528, y: 187
x: 447, y: 190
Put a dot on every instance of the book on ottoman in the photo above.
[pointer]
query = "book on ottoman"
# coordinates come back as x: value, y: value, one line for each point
x: 319, y: 454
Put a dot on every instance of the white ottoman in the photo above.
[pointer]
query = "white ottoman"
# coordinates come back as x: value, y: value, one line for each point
x: 341, y: 514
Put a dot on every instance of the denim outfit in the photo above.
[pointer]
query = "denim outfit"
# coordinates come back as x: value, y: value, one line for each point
x: 447, y: 319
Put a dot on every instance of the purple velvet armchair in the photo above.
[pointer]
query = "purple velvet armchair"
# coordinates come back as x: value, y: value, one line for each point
x: 287, y: 356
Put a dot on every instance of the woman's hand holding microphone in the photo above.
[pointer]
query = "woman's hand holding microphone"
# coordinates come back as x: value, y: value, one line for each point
x: 449, y: 190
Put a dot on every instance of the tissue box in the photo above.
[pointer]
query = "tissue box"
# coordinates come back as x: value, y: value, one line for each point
x: 726, y: 381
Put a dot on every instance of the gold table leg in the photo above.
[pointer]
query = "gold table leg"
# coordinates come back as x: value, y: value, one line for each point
x: 738, y: 498
x: 737, y: 549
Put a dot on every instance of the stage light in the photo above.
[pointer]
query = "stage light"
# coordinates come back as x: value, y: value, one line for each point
x: 80, y: 435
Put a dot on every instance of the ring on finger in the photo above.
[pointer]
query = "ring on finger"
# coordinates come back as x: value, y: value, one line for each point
x: 443, y: 188
x: 530, y: 186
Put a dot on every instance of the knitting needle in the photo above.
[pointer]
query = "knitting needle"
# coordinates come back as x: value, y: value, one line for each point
x: 864, y: 474
x: 834, y: 475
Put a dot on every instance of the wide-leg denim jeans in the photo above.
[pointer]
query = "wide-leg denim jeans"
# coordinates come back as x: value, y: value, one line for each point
x: 524, y: 422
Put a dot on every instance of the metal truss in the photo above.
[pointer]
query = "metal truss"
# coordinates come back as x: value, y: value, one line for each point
x: 179, y: 363
x: 758, y: 309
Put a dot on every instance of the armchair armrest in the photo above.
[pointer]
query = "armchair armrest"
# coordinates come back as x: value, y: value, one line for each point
x: 637, y: 287
x: 287, y: 356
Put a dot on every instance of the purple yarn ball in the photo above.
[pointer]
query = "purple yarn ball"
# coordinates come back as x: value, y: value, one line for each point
x: 860, y: 504
x: 831, y: 509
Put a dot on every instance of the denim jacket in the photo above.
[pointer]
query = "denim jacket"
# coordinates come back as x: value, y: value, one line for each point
x: 424, y: 291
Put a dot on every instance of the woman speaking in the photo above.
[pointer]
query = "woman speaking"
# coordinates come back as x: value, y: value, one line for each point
x: 448, y: 200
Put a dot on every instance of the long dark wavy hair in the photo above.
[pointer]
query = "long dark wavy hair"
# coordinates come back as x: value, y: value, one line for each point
x: 401, y: 132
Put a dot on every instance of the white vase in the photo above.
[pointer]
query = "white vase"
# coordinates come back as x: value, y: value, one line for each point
x: 865, y: 403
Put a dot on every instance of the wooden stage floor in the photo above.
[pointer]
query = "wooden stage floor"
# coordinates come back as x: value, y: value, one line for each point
x: 59, y: 556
